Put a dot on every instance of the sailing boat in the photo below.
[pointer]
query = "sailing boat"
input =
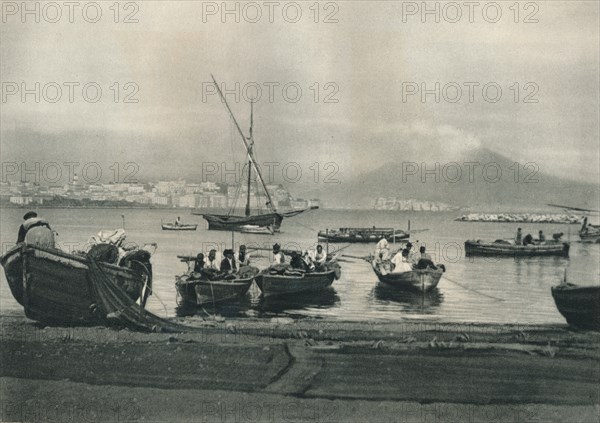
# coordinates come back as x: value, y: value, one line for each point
x: 231, y: 222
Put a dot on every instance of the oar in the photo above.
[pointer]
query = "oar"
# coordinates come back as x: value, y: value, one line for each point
x: 365, y: 258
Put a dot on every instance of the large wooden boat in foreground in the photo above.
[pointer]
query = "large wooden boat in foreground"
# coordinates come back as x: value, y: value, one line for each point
x: 505, y: 248
x: 57, y: 287
x: 580, y: 305
x: 417, y: 280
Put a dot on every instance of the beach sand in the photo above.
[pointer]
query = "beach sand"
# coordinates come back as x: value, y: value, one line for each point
x: 284, y: 370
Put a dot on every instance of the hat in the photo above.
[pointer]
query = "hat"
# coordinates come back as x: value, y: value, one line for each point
x: 408, y: 244
x: 227, y: 252
x: 276, y: 247
x: 29, y: 215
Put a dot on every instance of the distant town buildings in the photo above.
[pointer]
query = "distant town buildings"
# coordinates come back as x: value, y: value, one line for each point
x: 177, y: 193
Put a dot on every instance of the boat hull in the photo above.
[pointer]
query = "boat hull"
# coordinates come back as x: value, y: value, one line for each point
x: 209, y: 292
x: 54, y: 287
x: 362, y: 235
x: 416, y: 280
x: 170, y: 227
x: 218, y: 222
x: 579, y: 305
x: 473, y: 248
x: 277, y: 285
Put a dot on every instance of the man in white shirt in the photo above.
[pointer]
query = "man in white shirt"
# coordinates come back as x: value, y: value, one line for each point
x: 401, y: 263
x: 278, y: 256
x: 382, y: 250
x: 212, y: 261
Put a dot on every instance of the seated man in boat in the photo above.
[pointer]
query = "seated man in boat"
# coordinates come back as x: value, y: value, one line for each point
x: 228, y: 264
x: 557, y: 236
x: 297, y: 263
x: 243, y: 257
x: 401, y: 262
x: 320, y: 257
x: 528, y: 240
x: 541, y: 237
x: 308, y: 261
x: 198, y: 266
x: 212, y: 261
x: 413, y: 255
x: 178, y: 221
x: 519, y: 237
x: 35, y: 231
x: 278, y: 256
x: 425, y: 260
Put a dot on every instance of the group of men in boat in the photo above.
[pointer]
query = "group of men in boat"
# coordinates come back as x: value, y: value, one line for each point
x: 529, y: 240
x: 403, y: 260
x: 213, y: 266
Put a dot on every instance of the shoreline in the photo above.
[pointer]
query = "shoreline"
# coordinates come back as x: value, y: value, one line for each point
x: 348, y: 371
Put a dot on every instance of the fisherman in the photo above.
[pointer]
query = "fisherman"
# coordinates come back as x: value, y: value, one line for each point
x: 528, y: 240
x: 557, y: 236
x: 308, y: 260
x: 228, y: 263
x: 413, y: 255
x: 243, y: 257
x: 178, y: 221
x: 296, y: 261
x: 401, y: 262
x: 382, y: 250
x: 425, y: 261
x: 541, y: 237
x: 519, y: 237
x: 35, y: 231
x: 199, y: 263
x: 320, y: 256
x: 278, y: 256
x: 211, y: 261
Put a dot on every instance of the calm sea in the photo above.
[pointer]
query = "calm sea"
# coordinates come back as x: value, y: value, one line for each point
x: 472, y: 290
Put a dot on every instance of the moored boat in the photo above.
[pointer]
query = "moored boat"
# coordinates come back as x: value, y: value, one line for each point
x: 362, y: 235
x: 193, y: 290
x: 178, y: 227
x: 580, y: 305
x: 55, y: 287
x: 420, y: 280
x: 275, y: 282
x: 589, y: 232
x: 505, y: 248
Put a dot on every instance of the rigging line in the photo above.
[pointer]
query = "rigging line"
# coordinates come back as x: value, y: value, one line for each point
x: 472, y: 290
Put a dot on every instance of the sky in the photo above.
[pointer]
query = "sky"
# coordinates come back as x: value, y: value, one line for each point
x: 360, y: 68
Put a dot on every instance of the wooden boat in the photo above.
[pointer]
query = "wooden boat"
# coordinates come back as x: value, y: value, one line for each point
x: 199, y: 292
x: 580, y: 305
x: 589, y: 232
x: 416, y: 280
x: 362, y: 235
x: 255, y: 229
x: 272, y: 283
x: 231, y: 222
x: 549, y: 248
x: 54, y: 286
x: 178, y: 227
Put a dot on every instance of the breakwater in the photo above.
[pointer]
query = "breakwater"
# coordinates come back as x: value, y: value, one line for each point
x: 520, y: 218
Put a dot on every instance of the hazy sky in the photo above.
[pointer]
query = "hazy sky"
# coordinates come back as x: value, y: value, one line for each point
x: 369, y: 57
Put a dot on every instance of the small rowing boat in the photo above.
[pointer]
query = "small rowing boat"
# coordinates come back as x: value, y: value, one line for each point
x: 420, y: 280
x: 284, y: 280
x: 510, y: 249
x: 178, y: 226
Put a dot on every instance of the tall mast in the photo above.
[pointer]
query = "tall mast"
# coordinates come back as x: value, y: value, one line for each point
x: 248, y: 147
x: 251, y: 141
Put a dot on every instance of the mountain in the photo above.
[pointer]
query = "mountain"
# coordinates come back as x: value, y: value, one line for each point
x: 481, y: 179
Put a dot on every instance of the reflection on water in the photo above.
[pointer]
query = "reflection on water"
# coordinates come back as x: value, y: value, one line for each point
x: 412, y: 301
x: 474, y: 289
x: 254, y: 304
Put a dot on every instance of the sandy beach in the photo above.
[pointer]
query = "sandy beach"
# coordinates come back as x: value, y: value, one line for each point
x: 288, y: 370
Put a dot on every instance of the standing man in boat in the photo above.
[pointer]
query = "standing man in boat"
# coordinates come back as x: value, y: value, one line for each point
x: 541, y: 237
x: 35, y: 231
x: 519, y: 237
x: 178, y: 221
